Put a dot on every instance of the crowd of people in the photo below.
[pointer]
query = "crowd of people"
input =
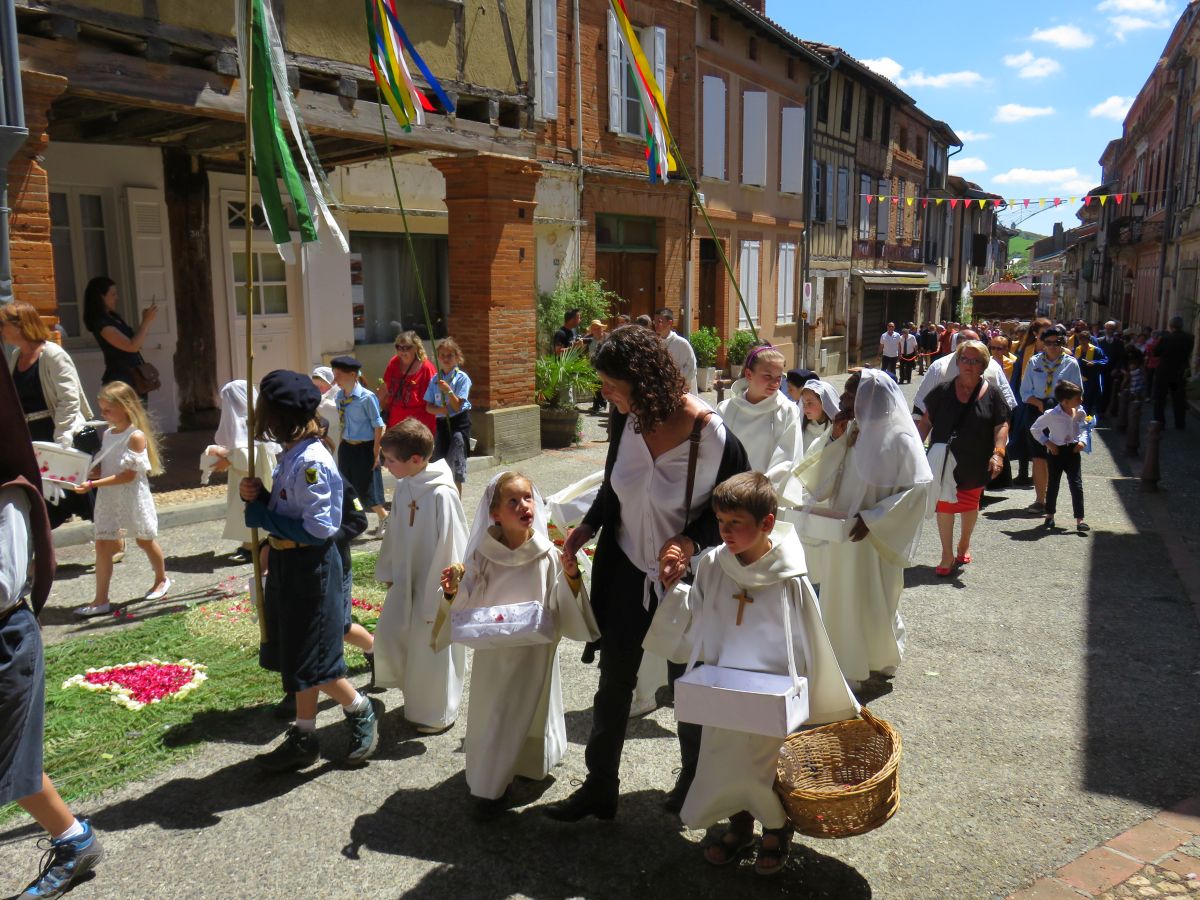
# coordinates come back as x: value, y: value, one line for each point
x: 789, y: 511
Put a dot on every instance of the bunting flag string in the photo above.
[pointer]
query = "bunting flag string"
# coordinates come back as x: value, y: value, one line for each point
x: 659, y: 160
x: 1013, y: 202
x: 395, y: 82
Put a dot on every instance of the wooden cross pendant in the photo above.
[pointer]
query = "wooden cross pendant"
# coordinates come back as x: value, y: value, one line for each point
x: 743, y: 598
x: 412, y: 513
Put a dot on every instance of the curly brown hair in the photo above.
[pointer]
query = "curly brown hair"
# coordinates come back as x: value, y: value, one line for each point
x: 637, y: 356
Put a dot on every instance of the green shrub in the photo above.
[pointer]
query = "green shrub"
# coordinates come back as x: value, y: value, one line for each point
x: 705, y: 344
x: 589, y: 297
x: 738, y: 347
x: 557, y: 378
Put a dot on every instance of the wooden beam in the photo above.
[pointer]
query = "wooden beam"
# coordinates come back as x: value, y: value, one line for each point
x: 119, y: 78
x: 506, y: 27
x: 224, y: 63
x: 59, y: 27
x: 85, y: 15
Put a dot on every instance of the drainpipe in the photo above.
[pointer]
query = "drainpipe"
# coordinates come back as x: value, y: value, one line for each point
x: 809, y: 130
x: 12, y: 132
x: 578, y: 139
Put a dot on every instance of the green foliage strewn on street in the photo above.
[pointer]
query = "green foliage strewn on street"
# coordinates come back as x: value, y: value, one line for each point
x: 705, y: 344
x: 589, y: 297
x: 93, y: 745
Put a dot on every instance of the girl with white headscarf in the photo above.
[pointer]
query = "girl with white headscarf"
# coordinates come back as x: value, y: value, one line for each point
x: 819, y: 404
x: 231, y: 447
x: 870, y: 469
x: 515, y: 720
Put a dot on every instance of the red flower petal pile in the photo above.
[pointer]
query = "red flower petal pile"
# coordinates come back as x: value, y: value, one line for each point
x: 146, y: 682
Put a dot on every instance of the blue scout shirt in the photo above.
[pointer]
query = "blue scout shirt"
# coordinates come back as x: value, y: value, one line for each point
x: 460, y: 384
x: 359, y: 414
x: 306, y: 497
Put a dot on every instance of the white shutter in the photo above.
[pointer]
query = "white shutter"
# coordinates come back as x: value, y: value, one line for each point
x: 713, y: 163
x: 791, y: 157
x: 829, y: 186
x: 547, y: 80
x: 754, y: 138
x: 748, y: 281
x: 843, y: 196
x: 660, y: 60
x: 150, y: 242
x: 616, y: 73
x: 785, y: 303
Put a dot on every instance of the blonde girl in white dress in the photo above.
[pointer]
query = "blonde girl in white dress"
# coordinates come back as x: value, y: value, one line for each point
x: 128, y: 455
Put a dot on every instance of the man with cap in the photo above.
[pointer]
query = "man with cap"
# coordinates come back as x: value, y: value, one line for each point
x: 362, y: 428
x: 26, y: 573
x: 322, y: 379
x: 304, y: 601
x: 678, y: 347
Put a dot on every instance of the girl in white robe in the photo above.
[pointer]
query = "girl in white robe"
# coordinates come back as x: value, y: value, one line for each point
x: 427, y: 534
x: 515, y: 721
x: 818, y: 405
x: 763, y: 418
x: 736, y: 772
x: 870, y: 468
x: 231, y: 446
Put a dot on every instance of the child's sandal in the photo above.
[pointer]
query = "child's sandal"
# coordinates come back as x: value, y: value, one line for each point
x: 776, y: 856
x: 736, y: 840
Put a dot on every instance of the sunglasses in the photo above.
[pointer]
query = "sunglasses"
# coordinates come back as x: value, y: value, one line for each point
x: 1052, y: 342
x: 404, y: 347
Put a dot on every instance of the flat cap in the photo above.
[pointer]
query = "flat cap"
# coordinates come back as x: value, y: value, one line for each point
x: 348, y: 363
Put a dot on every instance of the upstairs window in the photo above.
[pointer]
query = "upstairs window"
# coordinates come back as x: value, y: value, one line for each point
x: 847, y: 105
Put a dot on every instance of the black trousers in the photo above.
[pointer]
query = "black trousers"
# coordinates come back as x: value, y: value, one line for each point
x: 906, y: 368
x: 1065, y: 462
x: 623, y: 624
x: 1175, y: 387
x: 889, y: 364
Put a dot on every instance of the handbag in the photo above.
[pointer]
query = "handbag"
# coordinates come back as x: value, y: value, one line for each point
x: 144, y: 377
x: 87, y: 440
x: 941, y: 458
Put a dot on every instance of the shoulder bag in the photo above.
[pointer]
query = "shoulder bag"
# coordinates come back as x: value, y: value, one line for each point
x: 144, y: 376
x: 941, y: 458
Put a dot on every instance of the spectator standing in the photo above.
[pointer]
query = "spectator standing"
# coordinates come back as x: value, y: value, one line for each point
x: 120, y: 344
x: 406, y: 381
x: 362, y: 429
x: 1174, y: 353
x: 927, y: 342
x: 678, y: 347
x: 595, y: 338
x: 1093, y: 365
x: 564, y: 339
x: 447, y: 399
x: 908, y: 355
x: 889, y: 349
x: 1113, y: 346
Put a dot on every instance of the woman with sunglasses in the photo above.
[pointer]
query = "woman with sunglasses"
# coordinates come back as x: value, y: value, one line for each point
x: 1041, y: 376
x: 405, y: 383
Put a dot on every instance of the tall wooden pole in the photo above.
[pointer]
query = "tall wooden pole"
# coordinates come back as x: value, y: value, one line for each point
x: 248, y: 91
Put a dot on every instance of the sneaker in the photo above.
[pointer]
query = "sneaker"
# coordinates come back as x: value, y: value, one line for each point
x: 364, y: 733
x: 65, y: 864
x: 299, y: 750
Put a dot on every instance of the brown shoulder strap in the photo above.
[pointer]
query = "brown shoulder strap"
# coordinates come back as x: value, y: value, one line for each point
x: 693, y: 455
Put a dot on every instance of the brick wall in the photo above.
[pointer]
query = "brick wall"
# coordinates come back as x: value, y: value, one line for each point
x: 29, y: 198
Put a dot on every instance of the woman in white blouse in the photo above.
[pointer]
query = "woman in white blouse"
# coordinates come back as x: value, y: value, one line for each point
x: 646, y: 538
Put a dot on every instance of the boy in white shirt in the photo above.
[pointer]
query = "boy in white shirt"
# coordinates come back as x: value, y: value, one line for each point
x: 1062, y: 431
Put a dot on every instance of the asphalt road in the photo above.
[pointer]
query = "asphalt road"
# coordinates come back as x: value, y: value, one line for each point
x: 1047, y: 702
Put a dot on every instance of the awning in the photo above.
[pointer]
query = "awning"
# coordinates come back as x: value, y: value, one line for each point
x: 893, y: 280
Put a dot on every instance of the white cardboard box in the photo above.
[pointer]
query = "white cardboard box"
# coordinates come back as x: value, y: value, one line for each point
x: 61, y: 465
x: 755, y: 702
x: 509, y: 625
x: 818, y: 524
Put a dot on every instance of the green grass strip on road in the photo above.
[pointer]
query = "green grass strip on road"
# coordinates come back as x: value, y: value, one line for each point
x: 92, y: 745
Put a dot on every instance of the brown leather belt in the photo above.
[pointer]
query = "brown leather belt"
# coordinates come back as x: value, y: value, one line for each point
x: 283, y: 543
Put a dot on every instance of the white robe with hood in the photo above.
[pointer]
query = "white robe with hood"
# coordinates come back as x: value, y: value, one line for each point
x: 737, y: 770
x: 515, y: 720
x: 412, y: 558
x: 861, y: 581
x: 769, y: 430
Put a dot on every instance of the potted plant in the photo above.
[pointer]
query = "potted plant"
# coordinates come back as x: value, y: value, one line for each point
x: 738, y: 348
x: 589, y: 297
x: 705, y: 345
x: 559, y: 381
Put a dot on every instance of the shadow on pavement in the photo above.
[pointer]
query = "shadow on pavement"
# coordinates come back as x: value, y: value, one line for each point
x: 579, y: 726
x: 640, y: 853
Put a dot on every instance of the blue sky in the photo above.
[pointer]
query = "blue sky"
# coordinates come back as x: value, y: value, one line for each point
x: 1035, y: 97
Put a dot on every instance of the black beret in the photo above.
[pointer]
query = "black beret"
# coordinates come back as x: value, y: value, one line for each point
x: 800, y: 376
x: 346, y: 362
x: 290, y: 390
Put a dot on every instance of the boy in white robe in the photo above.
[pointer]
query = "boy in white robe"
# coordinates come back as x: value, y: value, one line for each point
x: 428, y: 533
x: 515, y: 721
x: 743, y: 591
x: 870, y: 469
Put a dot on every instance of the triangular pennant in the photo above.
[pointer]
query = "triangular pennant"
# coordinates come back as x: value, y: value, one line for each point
x: 982, y: 202
x: 1027, y: 203
x: 1103, y: 199
x: 1041, y: 201
x: 996, y: 201
x: 1057, y: 200
x: 882, y: 198
x: 1012, y: 201
x: 1071, y: 200
x: 924, y: 203
x: 1087, y: 201
x: 954, y: 203
x: 940, y: 201
x: 870, y: 197
x: 1133, y: 198
x: 895, y: 201
x: 909, y: 200
x: 1118, y: 197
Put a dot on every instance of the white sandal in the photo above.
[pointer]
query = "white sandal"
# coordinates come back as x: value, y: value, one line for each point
x: 159, y: 592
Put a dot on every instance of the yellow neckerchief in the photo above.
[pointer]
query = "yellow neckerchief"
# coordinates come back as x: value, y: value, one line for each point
x: 1089, y: 356
x: 1050, y: 373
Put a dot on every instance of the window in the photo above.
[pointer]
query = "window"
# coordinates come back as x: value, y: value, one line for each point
x: 785, y: 284
x: 847, y: 105
x: 901, y: 186
x: 270, y: 283
x: 633, y: 233
x: 389, y: 287
x: 885, y: 132
x: 625, y: 114
x: 80, y: 220
x: 865, y: 184
x: 843, y: 197
x: 546, y: 83
x: 713, y: 134
x: 791, y: 155
x: 819, y: 188
x: 714, y: 29
x: 748, y: 282
x: 869, y: 118
x: 823, y: 102
x: 881, y: 211
x: 754, y: 138
x: 752, y: 49
x: 902, y: 140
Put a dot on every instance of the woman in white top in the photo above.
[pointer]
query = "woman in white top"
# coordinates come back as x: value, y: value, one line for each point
x: 646, y: 537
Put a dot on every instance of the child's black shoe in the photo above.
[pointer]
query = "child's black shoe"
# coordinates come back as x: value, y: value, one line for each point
x: 299, y: 750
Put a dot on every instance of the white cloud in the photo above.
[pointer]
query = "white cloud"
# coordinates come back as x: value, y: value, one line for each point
x: 1076, y: 187
x: 1153, y: 7
x: 1030, y: 66
x: 965, y: 78
x: 967, y: 165
x: 1123, y: 26
x: 1014, y: 112
x: 885, y: 66
x: 973, y: 135
x: 1136, y: 15
x: 1038, y: 176
x: 1114, y: 108
x: 1069, y: 37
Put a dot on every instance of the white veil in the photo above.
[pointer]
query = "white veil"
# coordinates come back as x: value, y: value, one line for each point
x: 483, y: 521
x: 231, y: 430
x: 830, y: 401
x: 891, y: 452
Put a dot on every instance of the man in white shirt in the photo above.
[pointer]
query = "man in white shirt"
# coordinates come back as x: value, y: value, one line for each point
x: 678, y: 347
x: 908, y: 355
x: 889, y: 348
